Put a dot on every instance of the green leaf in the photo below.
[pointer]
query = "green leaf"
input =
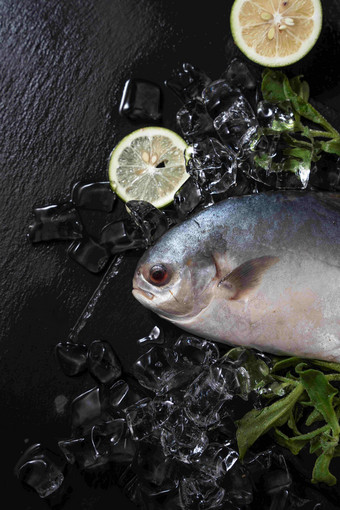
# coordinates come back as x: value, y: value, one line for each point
x: 263, y: 160
x: 320, y: 440
x: 329, y: 365
x: 296, y: 443
x: 314, y: 417
x: 272, y: 86
x: 321, y: 394
x: 331, y: 146
x: 257, y: 422
x: 304, y: 108
x: 292, y: 165
x: 290, y: 139
x: 301, y: 88
x: 285, y: 363
x: 302, y: 153
x: 293, y: 445
x: 321, y: 471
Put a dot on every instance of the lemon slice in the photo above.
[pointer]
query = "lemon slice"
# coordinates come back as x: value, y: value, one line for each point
x: 148, y: 164
x: 276, y: 33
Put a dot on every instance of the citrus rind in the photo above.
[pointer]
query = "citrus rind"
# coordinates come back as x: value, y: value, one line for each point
x: 272, y: 30
x: 148, y: 164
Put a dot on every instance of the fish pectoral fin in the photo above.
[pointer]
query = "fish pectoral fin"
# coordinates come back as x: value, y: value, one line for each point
x: 246, y: 277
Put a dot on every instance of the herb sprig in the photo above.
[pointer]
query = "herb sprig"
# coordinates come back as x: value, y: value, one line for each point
x: 310, y: 402
x: 304, y: 139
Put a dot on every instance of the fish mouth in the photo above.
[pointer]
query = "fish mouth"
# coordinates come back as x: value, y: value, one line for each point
x: 144, y: 293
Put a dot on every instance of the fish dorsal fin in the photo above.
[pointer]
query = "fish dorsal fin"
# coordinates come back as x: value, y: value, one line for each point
x: 246, y: 277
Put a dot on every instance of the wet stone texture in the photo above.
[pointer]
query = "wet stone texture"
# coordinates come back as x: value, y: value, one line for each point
x: 64, y: 69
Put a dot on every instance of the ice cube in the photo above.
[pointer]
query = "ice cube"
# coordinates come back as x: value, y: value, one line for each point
x: 244, y: 184
x: 218, y: 97
x: 238, y: 484
x: 258, y: 464
x: 189, y: 351
x: 141, y: 100
x: 103, y: 362
x: 106, y: 435
x: 154, y: 337
x: 206, y: 395
x: 250, y: 140
x: 82, y: 452
x: 55, y: 222
x: 217, y: 460
x: 86, y: 408
x: 71, y: 448
x: 120, y: 236
x: 72, y: 357
x: 223, y: 431
x: 181, y: 439
x: 159, y: 474
x: 279, y: 501
x: 194, y: 121
x: 124, y: 451
x: 189, y: 84
x: 89, y: 254
x: 238, y: 75
x: 95, y: 195
x: 163, y: 406
x: 139, y: 418
x: 117, y: 393
x: 37, y: 469
x: 276, y: 480
x: 151, y: 221
x: 266, y: 112
x: 154, y: 372
x: 279, y: 178
x: 135, y: 393
x: 274, y: 118
x: 233, y: 122
x: 188, y: 197
x: 200, y: 493
x: 213, y: 165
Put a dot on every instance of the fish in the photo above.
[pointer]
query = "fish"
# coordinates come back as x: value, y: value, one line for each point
x: 260, y: 271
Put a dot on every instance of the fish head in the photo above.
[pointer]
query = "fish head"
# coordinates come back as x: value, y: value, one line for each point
x: 173, y: 281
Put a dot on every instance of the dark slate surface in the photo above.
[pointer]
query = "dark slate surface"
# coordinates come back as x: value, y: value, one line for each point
x: 63, y: 67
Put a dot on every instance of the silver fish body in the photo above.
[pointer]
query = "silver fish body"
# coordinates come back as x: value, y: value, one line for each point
x: 261, y: 271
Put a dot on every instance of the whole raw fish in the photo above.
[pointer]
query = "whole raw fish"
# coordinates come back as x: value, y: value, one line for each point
x: 261, y: 271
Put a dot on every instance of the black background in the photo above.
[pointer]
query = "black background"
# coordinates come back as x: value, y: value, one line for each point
x: 63, y: 68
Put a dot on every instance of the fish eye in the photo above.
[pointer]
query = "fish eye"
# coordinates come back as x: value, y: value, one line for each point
x: 159, y: 275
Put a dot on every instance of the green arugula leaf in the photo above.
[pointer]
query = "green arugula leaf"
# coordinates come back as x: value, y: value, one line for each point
x: 327, y: 365
x: 272, y: 86
x: 321, y: 394
x: 321, y: 471
x: 285, y: 363
x: 314, y: 416
x: 257, y: 422
x: 301, y: 88
x: 304, y: 108
x: 295, y: 446
x: 331, y: 146
x: 263, y: 160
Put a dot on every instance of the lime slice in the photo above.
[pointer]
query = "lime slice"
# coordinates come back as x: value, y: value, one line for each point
x: 276, y: 33
x: 148, y: 164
